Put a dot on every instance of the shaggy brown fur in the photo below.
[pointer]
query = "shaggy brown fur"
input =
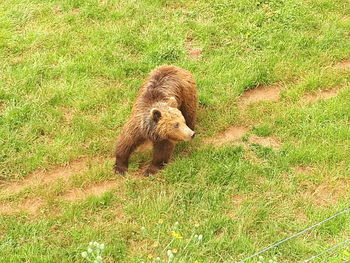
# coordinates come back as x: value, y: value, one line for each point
x: 164, y: 113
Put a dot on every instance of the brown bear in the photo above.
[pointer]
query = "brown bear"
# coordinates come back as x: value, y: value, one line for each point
x: 164, y: 113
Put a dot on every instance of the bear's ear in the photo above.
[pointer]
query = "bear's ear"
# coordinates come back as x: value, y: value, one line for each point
x: 155, y: 114
x: 172, y: 102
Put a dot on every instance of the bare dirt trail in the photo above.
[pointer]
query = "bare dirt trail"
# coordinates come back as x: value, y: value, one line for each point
x: 315, y: 96
x: 32, y: 205
x: 96, y: 189
x: 235, y: 133
x: 43, y: 177
x: 260, y: 93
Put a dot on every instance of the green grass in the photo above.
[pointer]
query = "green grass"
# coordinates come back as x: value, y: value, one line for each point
x: 69, y: 73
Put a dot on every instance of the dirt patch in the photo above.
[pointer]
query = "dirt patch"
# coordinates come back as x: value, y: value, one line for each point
x: 193, y: 52
x: 96, y: 190
x: 344, y: 64
x: 319, y: 95
x: 327, y: 193
x: 301, y: 169
x: 252, y: 157
x: 237, y: 199
x: 75, y: 11
x: 57, y: 10
x: 231, y: 134
x: 17, y: 60
x: 175, y: 5
x: 68, y: 114
x: 30, y: 205
x: 42, y: 177
x: 137, y: 246
x: 260, y: 93
x: 6, y: 208
x: 237, y: 132
x: 271, y: 142
x: 301, y: 217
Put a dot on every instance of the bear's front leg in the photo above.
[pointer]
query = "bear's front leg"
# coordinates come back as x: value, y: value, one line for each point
x: 161, y: 154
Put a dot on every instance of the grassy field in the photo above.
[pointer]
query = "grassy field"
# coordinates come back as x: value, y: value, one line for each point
x: 266, y: 163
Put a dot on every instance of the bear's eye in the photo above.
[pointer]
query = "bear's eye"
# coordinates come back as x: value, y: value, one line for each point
x: 176, y: 125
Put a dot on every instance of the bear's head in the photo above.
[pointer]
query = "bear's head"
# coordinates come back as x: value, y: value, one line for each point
x: 169, y: 123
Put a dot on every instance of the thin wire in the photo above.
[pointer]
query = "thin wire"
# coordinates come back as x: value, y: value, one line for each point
x: 332, y: 254
x: 295, y: 235
x: 327, y: 250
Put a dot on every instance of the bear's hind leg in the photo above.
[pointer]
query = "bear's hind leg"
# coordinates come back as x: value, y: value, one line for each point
x: 161, y: 154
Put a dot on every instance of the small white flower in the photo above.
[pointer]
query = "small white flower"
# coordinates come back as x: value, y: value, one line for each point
x: 84, y: 254
x: 89, y: 250
x: 200, y: 237
x: 195, y: 236
x: 175, y: 226
x: 261, y: 258
x: 91, y: 243
x: 96, y: 244
x: 143, y: 229
x: 102, y: 246
x: 157, y: 258
x: 170, y: 254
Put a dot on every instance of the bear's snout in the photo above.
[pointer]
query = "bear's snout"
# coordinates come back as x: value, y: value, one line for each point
x: 189, y: 134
